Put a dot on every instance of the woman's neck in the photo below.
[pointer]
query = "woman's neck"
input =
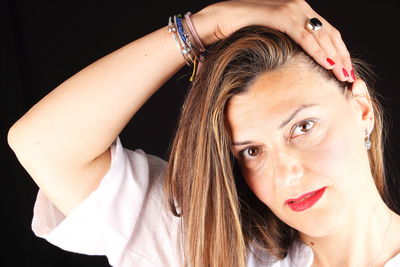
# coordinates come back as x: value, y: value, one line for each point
x: 370, y: 237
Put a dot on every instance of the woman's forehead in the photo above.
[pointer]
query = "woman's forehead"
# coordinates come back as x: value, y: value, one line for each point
x: 279, y: 87
x: 275, y: 94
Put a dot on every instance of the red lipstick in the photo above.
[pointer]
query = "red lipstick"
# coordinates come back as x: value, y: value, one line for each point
x: 306, y: 200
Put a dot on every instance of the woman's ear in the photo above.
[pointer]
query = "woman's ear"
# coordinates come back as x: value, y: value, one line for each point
x: 361, y: 101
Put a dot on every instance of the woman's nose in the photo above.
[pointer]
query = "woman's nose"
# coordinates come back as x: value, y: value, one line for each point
x: 287, y: 169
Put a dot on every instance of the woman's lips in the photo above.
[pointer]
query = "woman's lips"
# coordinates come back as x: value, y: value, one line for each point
x: 305, y: 201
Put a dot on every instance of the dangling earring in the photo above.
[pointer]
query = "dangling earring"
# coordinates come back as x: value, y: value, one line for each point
x: 368, y: 142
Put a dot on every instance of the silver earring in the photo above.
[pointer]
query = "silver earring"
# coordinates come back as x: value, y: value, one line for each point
x: 368, y: 142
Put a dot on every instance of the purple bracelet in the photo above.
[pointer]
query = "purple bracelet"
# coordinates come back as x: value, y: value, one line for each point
x: 193, y: 31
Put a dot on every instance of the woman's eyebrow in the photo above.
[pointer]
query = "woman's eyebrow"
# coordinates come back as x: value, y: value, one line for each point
x: 304, y: 106
x: 283, y: 124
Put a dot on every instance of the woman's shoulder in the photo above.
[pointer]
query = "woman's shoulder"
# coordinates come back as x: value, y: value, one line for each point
x: 123, y: 218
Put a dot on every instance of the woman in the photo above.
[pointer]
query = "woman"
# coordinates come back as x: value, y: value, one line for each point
x: 299, y: 137
x: 106, y: 199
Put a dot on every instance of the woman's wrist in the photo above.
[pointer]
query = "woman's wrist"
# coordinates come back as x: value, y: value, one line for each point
x: 205, y: 26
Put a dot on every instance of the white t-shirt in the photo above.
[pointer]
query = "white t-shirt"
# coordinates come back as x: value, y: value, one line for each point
x: 125, y: 220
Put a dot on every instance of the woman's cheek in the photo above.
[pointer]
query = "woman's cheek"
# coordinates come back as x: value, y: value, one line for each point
x: 328, y: 157
x: 326, y: 153
x: 260, y: 185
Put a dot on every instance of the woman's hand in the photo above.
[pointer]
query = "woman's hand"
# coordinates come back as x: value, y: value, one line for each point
x: 290, y: 17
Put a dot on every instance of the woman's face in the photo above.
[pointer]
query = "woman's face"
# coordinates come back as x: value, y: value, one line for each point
x: 295, y: 133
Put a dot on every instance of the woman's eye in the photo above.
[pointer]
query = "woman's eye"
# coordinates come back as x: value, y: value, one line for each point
x: 303, y: 126
x: 250, y: 152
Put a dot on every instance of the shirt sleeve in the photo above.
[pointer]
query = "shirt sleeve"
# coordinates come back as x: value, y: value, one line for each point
x: 123, y: 218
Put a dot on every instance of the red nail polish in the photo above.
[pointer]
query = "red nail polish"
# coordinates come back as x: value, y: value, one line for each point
x: 345, y: 73
x: 330, y: 61
x: 352, y: 74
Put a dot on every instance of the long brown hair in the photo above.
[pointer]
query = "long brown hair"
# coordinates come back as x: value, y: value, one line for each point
x: 221, y: 216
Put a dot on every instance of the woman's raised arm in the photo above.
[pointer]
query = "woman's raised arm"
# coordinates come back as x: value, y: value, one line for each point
x: 63, y: 140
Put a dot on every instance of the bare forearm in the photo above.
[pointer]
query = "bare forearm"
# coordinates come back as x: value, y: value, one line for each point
x: 79, y: 119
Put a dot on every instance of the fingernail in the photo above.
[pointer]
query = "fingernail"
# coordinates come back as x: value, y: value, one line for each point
x: 345, y: 73
x: 352, y: 74
x: 330, y: 61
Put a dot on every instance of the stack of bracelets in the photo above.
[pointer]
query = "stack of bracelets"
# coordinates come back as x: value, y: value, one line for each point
x: 187, y: 40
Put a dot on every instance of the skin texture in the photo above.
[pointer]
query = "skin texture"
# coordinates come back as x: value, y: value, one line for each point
x: 279, y: 164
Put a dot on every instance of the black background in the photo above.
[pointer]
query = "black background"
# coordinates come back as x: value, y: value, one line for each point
x: 45, y: 42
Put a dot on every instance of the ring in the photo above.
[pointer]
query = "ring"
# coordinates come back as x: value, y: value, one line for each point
x: 313, y: 25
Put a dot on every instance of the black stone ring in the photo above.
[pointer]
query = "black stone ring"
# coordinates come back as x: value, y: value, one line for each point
x: 313, y: 25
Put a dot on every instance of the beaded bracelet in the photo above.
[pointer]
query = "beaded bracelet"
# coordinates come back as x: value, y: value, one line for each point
x: 186, y: 45
x: 179, y: 41
x: 193, y: 31
x: 172, y: 29
x: 191, y: 41
x: 182, y: 30
x: 201, y: 50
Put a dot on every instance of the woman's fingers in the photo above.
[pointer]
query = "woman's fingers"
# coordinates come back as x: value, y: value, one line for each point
x: 328, y: 49
x: 325, y: 46
x: 343, y: 51
x: 330, y: 40
x: 310, y: 45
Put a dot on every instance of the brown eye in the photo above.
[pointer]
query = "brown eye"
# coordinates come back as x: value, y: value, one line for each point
x: 304, y: 126
x: 253, y: 152
x: 249, y: 152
